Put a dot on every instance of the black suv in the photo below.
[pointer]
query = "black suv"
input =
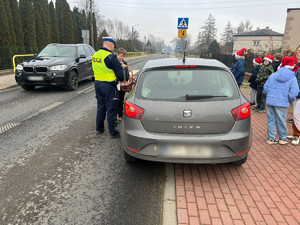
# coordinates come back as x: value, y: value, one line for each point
x: 58, y: 65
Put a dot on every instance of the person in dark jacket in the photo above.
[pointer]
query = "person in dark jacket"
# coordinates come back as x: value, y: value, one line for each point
x: 263, y: 74
x: 253, y: 85
x: 238, y: 68
x: 121, y: 55
x: 276, y: 61
x: 281, y: 90
x: 107, y: 72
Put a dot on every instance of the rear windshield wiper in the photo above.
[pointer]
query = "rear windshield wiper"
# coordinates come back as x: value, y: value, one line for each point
x: 193, y: 97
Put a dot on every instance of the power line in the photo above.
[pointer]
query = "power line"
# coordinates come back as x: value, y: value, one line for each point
x: 196, y: 8
x: 180, y: 4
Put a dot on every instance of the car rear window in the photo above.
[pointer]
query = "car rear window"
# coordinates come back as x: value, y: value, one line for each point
x: 187, y: 84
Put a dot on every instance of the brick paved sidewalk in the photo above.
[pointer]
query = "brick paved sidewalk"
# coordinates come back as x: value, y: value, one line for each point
x: 265, y: 190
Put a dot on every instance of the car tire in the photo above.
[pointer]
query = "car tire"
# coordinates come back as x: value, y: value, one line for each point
x: 72, y: 81
x: 128, y: 158
x: 240, y: 162
x: 28, y: 87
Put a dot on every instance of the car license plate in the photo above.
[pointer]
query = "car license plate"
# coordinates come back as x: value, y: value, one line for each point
x: 35, y: 78
x: 187, y: 151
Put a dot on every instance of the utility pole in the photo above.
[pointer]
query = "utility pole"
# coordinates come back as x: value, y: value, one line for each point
x: 133, y: 36
x: 92, y: 25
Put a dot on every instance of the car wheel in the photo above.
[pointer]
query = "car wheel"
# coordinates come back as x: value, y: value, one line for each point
x: 28, y: 87
x: 240, y: 162
x: 128, y: 158
x: 72, y: 81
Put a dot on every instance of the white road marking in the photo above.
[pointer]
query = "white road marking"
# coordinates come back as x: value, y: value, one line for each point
x: 52, y: 106
x: 8, y: 126
x: 86, y: 89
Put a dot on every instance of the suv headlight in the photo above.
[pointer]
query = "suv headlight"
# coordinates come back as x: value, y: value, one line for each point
x: 59, y: 67
x: 19, y: 67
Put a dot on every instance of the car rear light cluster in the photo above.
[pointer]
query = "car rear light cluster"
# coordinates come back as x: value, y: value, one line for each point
x: 242, y: 112
x: 185, y: 66
x: 133, y: 111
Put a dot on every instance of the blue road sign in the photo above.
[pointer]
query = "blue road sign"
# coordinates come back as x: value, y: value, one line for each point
x: 178, y: 47
x: 183, y: 23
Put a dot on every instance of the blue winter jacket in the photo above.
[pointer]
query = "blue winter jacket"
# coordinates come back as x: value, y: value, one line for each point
x: 252, y: 79
x: 281, y: 88
x: 238, y: 70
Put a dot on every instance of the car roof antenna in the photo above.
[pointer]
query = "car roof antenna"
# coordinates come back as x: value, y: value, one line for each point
x: 183, y: 60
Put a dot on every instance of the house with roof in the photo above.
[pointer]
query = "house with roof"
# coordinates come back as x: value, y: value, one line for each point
x: 291, y: 32
x: 259, y: 41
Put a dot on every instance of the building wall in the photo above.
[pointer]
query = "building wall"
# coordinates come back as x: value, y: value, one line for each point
x: 292, y: 32
x: 265, y: 43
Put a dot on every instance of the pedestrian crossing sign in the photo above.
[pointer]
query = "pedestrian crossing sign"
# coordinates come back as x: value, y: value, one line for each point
x: 183, y: 23
x: 182, y: 33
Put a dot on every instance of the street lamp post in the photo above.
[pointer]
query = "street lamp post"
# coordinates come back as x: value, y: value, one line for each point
x: 133, y: 36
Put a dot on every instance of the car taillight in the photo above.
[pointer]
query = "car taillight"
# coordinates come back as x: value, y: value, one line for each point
x: 242, y: 112
x: 133, y: 111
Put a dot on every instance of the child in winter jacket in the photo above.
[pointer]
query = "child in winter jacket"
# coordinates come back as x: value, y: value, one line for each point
x: 238, y: 68
x: 263, y: 74
x: 281, y: 89
x: 253, y: 85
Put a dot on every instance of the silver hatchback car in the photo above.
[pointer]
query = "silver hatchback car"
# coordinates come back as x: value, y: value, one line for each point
x: 186, y: 112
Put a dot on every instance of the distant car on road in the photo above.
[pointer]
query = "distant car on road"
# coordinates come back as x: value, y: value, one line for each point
x: 57, y: 65
x: 186, y: 112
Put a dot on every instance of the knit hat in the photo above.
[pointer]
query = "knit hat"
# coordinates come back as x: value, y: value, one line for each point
x: 269, y: 58
x: 257, y: 61
x: 240, y: 53
x: 288, y: 62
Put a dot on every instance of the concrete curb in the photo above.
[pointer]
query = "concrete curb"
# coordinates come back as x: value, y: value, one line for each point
x: 169, y: 205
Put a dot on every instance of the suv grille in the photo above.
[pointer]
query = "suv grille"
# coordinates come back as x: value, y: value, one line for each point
x: 28, y: 69
x: 41, y: 69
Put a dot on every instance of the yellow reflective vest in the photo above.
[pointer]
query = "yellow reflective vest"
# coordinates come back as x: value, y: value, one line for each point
x: 101, y: 72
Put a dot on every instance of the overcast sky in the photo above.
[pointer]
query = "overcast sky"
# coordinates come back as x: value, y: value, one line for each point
x: 159, y: 17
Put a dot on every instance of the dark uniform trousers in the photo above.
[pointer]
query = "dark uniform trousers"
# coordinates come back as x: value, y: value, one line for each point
x: 108, y: 102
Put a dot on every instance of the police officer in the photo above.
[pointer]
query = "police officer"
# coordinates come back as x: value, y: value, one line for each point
x: 107, y: 72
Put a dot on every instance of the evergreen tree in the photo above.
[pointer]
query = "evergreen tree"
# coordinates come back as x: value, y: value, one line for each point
x: 65, y: 22
x: 17, y: 24
x: 28, y: 24
x: 227, y: 36
x: 4, y: 38
x: 214, y: 48
x: 84, y: 20
x: 12, y: 37
x: 53, y: 24
x: 77, y: 25
x: 209, y: 31
x: 240, y: 28
x: 99, y: 39
x: 95, y: 31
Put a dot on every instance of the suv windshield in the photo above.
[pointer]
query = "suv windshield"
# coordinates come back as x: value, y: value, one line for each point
x: 58, y: 51
x: 187, y: 85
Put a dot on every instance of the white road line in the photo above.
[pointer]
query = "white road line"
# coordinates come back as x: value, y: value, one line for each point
x: 91, y: 89
x: 8, y: 126
x: 52, y: 106
x: 79, y: 92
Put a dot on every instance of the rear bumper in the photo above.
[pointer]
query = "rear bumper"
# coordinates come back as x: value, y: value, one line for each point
x: 226, y: 148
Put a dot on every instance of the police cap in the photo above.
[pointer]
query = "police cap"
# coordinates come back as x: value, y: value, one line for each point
x: 110, y: 39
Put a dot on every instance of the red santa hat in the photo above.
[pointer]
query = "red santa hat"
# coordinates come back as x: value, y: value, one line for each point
x: 240, y: 53
x: 288, y: 62
x: 269, y: 58
x: 257, y: 61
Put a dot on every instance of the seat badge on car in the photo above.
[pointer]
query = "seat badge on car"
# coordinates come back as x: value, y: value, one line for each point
x: 187, y: 113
